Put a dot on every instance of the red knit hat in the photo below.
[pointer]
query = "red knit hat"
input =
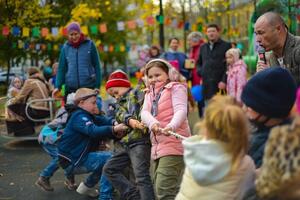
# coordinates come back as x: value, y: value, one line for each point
x: 117, y: 79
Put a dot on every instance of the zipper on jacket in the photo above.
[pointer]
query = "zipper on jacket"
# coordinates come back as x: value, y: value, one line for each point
x: 77, y: 65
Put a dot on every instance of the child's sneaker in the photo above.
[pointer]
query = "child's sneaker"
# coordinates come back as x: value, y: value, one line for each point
x: 70, y: 184
x: 44, y: 183
x: 85, y: 190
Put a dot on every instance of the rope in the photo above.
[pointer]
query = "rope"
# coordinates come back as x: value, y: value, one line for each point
x: 178, y: 136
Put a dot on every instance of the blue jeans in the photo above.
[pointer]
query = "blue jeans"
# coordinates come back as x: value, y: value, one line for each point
x: 94, y: 163
x: 139, y: 157
x: 52, y: 167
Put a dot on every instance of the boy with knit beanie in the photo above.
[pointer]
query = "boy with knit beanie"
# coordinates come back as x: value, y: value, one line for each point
x: 268, y: 98
x: 135, y: 146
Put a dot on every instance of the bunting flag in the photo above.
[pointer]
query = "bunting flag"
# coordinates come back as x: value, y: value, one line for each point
x: 54, y: 31
x: 200, y: 27
x: 26, y: 32
x: 194, y: 27
x: 43, y: 47
x: 49, y: 47
x: 55, y: 47
x: 105, y: 48
x: 131, y: 24
x: 85, y: 30
x: 63, y: 31
x: 26, y: 45
x: 168, y: 21
x: 180, y: 24
x: 31, y: 46
x: 20, y: 44
x: 111, y: 48
x: 140, y: 23
x: 16, y: 31
x: 187, y: 26
x: 160, y: 19
x: 120, y: 26
x: 101, y: 48
x: 5, y: 30
x: 36, y: 32
x: 94, y: 29
x: 117, y: 48
x: 174, y: 23
x: 37, y: 46
x: 103, y: 28
x: 150, y: 20
x: 45, y: 32
x: 122, y: 48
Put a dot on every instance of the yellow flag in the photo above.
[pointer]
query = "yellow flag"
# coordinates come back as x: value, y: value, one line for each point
x: 55, y: 47
x: 122, y: 48
x: 85, y: 30
x: 26, y: 32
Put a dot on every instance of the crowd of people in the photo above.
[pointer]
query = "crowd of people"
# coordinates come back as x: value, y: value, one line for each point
x: 245, y: 147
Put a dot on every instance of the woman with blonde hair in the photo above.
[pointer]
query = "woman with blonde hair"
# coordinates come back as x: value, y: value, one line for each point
x: 217, y: 166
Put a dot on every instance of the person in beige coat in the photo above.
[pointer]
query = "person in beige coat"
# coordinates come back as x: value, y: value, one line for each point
x: 34, y: 88
x: 217, y: 166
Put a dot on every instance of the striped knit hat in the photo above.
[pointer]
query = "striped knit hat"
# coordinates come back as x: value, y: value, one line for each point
x: 117, y: 79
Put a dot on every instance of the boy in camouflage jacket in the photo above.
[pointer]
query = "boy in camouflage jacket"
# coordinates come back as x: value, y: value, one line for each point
x: 135, y: 145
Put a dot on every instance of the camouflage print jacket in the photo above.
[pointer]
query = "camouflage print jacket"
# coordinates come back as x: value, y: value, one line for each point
x: 129, y: 107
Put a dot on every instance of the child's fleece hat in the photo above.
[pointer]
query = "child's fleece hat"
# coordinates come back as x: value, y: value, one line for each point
x: 73, y: 26
x: 271, y: 92
x: 117, y: 79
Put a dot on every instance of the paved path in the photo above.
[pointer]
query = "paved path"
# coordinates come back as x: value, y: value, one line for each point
x: 20, y: 164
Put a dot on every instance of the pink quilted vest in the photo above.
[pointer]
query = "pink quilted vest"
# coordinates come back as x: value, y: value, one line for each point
x: 167, y: 145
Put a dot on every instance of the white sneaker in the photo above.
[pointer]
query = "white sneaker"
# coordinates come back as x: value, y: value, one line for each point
x: 85, y: 190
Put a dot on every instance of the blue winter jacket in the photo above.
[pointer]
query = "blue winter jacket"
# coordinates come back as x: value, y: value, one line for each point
x: 81, y: 131
x: 180, y: 57
x: 79, y: 67
x: 258, y: 142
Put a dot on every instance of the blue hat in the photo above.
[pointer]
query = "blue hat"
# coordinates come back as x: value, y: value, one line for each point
x: 271, y: 92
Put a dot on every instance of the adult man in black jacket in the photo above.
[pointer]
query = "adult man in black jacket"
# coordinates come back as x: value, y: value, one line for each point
x: 212, y: 63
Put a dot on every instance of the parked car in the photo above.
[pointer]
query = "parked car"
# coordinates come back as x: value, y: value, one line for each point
x: 3, y: 76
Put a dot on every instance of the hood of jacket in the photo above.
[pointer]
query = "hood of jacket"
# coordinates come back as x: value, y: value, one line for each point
x: 207, y: 160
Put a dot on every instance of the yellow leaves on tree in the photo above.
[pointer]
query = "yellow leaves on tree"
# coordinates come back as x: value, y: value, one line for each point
x: 82, y: 12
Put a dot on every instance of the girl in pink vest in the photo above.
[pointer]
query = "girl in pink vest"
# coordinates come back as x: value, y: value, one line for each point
x: 165, y: 109
x: 236, y: 73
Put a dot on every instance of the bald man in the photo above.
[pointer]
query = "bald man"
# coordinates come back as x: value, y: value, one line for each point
x: 272, y: 34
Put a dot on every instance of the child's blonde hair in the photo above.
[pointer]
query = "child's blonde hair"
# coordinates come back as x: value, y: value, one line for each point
x: 224, y: 120
x: 235, y: 52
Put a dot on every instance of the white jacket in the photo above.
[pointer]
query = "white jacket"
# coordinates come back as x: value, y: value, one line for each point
x: 208, y: 173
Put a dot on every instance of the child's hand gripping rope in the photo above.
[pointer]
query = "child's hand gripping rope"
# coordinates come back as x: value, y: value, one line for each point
x: 178, y: 136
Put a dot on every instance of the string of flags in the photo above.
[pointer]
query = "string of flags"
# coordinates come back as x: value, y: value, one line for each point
x: 95, y: 29
x: 49, y: 47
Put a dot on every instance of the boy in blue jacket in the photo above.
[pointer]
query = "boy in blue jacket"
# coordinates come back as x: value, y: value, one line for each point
x: 74, y: 149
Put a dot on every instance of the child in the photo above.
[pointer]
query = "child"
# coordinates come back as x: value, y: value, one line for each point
x: 82, y: 130
x: 14, y: 88
x: 217, y: 166
x: 164, y: 110
x: 236, y: 73
x: 134, y: 148
x: 268, y: 98
x: 280, y: 162
x: 48, y: 138
x: 13, y: 91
